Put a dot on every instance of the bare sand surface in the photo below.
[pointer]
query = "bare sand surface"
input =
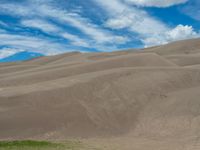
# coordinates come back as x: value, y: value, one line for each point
x: 147, y: 99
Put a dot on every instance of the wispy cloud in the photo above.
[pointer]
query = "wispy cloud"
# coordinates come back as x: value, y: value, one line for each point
x: 15, y: 9
x: 35, y: 15
x: 52, y: 29
x: 40, y: 24
x: 75, y: 40
x: 30, y: 43
x: 5, y: 52
x: 192, y: 9
x: 49, y: 27
x: 83, y: 24
x: 151, y: 31
x: 156, y: 3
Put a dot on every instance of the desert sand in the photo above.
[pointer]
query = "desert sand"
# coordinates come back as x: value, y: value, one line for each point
x: 147, y: 99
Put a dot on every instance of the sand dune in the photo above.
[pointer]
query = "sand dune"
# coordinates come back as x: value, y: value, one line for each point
x: 185, y: 60
x: 147, y: 99
x: 52, y: 72
x: 181, y: 47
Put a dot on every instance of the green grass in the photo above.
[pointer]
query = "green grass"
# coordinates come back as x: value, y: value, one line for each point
x: 39, y: 145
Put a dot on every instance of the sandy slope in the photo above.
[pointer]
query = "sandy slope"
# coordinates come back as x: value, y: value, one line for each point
x: 123, y: 100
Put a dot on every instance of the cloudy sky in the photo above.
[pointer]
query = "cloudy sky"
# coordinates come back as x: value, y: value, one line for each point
x: 55, y: 26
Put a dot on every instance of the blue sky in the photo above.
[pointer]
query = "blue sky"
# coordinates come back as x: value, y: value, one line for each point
x: 57, y: 26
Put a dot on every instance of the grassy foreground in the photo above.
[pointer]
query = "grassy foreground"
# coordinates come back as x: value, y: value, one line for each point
x: 40, y: 145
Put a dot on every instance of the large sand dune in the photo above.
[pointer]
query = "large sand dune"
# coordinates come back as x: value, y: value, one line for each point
x: 146, y: 99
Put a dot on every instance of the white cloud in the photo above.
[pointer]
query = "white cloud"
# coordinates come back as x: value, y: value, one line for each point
x: 52, y: 29
x: 150, y: 30
x: 11, y: 39
x: 45, y: 10
x: 192, y: 9
x: 94, y: 35
x: 15, y: 9
x: 156, y: 3
x: 75, y: 40
x: 40, y: 24
x: 83, y: 24
x: 5, y: 52
x: 136, y: 22
x: 121, y: 14
x: 124, y: 16
x: 180, y: 32
x: 23, y: 42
